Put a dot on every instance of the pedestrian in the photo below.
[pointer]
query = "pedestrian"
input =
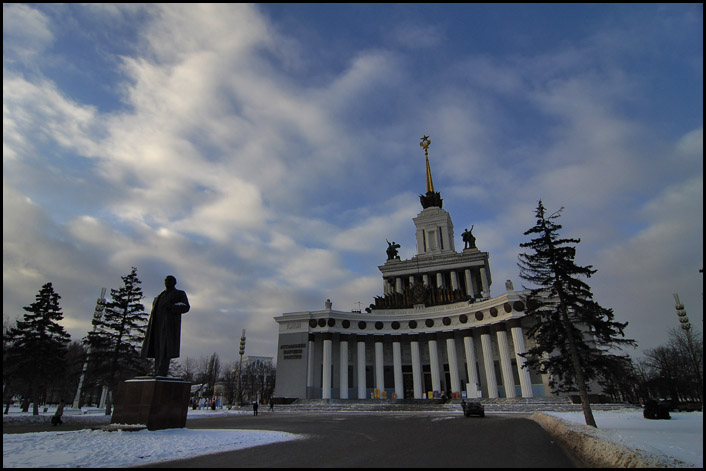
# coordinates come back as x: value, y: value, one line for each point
x: 254, y: 407
x: 272, y: 405
x: 56, y: 418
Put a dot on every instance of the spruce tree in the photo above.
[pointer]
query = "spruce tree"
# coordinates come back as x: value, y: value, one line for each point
x: 37, y: 346
x: 573, y: 334
x: 115, y: 343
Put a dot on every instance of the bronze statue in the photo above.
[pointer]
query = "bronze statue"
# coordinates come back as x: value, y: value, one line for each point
x: 469, y: 239
x: 392, y: 250
x: 163, y: 336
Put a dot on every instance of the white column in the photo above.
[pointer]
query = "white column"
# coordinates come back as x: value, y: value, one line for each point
x: 505, y: 363
x: 439, y: 280
x: 343, y: 374
x: 379, y: 366
x: 310, y: 365
x: 397, y: 365
x: 425, y: 278
x: 326, y: 375
x: 416, y: 369
x: 471, y: 362
x: 104, y: 397
x: 434, y: 365
x: 488, y: 363
x: 398, y: 284
x: 519, y: 341
x: 453, y: 365
x: 362, y: 388
x: 454, y: 280
x: 484, y: 282
x: 469, y: 284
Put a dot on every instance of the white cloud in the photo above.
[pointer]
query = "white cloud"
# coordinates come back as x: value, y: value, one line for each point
x: 661, y: 259
x: 369, y: 233
x: 692, y: 144
x: 38, y: 113
x: 26, y: 32
x: 267, y: 181
x: 417, y: 36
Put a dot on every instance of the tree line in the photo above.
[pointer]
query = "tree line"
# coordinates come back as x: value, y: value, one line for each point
x: 41, y: 364
x: 671, y: 372
x: 235, y: 384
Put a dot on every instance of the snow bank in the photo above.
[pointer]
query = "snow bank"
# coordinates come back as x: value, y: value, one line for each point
x: 625, y: 439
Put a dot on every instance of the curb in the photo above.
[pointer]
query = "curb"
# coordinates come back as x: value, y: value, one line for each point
x: 596, y: 452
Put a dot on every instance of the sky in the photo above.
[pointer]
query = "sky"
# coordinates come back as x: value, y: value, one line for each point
x: 263, y: 154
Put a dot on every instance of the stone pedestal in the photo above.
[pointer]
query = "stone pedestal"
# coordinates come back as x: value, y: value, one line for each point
x: 157, y: 402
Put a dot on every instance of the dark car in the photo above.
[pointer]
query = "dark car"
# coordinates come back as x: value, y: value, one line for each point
x: 473, y: 408
x: 655, y: 410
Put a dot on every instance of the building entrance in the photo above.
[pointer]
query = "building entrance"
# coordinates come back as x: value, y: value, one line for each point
x: 408, y: 382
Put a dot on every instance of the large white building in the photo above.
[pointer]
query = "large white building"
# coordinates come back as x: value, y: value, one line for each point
x: 435, y: 329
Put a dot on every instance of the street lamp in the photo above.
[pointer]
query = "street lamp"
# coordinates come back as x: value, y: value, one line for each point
x: 693, y: 354
x: 240, y: 369
x: 681, y: 313
x: 97, y: 314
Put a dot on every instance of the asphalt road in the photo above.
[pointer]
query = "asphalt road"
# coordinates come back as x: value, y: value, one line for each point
x: 392, y: 440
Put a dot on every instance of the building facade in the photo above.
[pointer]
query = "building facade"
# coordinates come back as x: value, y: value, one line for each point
x: 436, y: 329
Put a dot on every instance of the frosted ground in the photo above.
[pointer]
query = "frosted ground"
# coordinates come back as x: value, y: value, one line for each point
x: 680, y: 438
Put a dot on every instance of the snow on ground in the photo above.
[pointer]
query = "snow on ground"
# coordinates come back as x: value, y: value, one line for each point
x: 680, y: 438
x: 102, y: 449
x: 99, y: 449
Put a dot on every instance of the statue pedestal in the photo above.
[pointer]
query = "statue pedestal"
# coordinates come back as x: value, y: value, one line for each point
x: 157, y: 402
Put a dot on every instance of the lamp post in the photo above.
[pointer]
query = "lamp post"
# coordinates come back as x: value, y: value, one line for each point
x: 681, y: 313
x: 684, y: 321
x: 240, y: 369
x: 97, y: 314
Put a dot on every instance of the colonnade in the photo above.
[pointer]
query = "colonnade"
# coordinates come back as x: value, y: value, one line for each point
x: 396, y: 284
x: 434, y: 343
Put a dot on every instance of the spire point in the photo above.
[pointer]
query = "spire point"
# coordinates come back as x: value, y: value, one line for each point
x: 432, y: 198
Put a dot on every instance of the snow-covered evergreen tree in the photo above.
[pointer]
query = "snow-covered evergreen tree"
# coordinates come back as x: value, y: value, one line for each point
x: 573, y: 333
x: 37, y: 346
x: 115, y: 343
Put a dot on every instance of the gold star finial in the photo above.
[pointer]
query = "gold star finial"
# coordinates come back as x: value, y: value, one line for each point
x: 425, y: 144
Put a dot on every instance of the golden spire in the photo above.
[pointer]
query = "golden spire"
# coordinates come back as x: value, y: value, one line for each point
x: 425, y: 144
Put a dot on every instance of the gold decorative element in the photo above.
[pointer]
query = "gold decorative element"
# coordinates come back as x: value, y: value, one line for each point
x: 426, y: 142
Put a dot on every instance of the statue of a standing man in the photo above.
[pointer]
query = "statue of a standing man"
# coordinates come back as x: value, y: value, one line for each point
x: 163, y: 336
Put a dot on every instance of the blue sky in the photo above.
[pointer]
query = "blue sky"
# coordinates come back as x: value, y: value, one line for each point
x: 263, y: 154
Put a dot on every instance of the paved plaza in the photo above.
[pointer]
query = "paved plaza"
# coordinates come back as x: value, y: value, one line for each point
x: 404, y: 439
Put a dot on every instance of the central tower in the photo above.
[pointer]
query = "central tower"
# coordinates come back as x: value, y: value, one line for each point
x: 437, y: 274
x: 435, y: 231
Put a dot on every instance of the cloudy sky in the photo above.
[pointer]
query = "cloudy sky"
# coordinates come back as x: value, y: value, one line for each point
x: 263, y: 154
